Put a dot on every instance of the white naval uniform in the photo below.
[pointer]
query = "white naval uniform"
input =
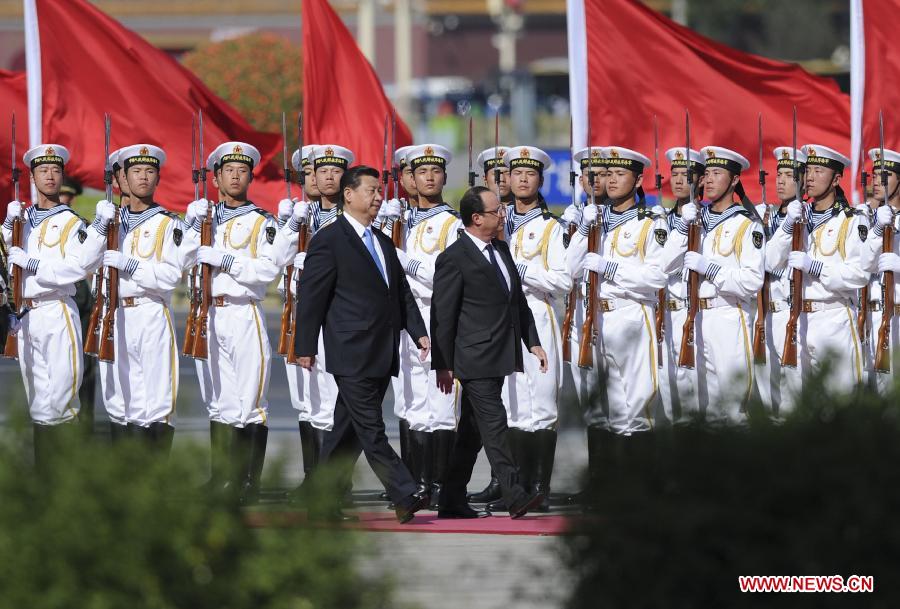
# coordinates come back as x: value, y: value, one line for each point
x: 870, y: 250
x: 140, y: 387
x: 732, y: 242
x: 234, y: 379
x: 49, y: 340
x: 537, y: 244
x: 422, y: 404
x: 580, y: 378
x: 777, y: 385
x: 313, y: 392
x: 625, y: 351
x: 833, y: 241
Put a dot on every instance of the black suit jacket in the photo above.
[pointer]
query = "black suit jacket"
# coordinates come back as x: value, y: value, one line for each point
x: 342, y: 292
x: 475, y: 327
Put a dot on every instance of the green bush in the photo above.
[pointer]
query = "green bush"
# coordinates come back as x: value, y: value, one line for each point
x: 815, y: 495
x: 114, y: 528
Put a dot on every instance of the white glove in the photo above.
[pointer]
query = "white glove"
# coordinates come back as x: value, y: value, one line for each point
x: 884, y: 215
x: 106, y: 211
x: 116, y: 259
x: 210, y: 255
x: 197, y: 209
x: 300, y: 211
x: 18, y: 257
x: 696, y: 262
x: 589, y: 214
x: 888, y: 263
x: 392, y: 208
x: 299, y: 259
x: 571, y: 215
x: 689, y: 212
x: 793, y: 212
x: 594, y: 262
x: 800, y: 261
x: 13, y: 210
x: 285, y: 206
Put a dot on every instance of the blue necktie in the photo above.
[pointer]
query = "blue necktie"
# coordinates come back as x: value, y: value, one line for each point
x: 370, y: 245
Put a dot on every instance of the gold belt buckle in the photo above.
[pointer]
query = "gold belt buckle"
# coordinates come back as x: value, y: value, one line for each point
x: 128, y: 302
x: 219, y: 301
x: 672, y: 305
x: 705, y: 303
x: 808, y: 306
x: 606, y: 306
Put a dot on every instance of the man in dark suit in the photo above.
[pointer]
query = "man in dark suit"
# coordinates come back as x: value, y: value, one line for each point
x: 478, y: 317
x: 354, y: 288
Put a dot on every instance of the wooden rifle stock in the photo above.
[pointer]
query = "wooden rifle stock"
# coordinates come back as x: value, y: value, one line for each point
x: 286, y: 312
x: 187, y: 349
x: 686, y: 355
x: 92, y: 337
x: 302, y: 245
x: 201, y: 327
x: 883, y: 349
x: 397, y: 232
x: 11, y: 348
x: 789, y: 355
x: 660, y: 325
x: 862, y: 316
x: 569, y: 319
x: 108, y: 331
x: 588, y: 329
x: 759, y: 329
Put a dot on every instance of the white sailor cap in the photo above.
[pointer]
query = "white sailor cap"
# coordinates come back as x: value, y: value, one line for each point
x: 528, y: 157
x: 891, y: 160
x: 593, y: 156
x: 400, y: 155
x: 46, y: 154
x: 236, y: 152
x: 331, y: 154
x: 825, y: 157
x: 676, y: 158
x: 616, y: 156
x: 211, y: 161
x: 492, y: 158
x: 428, y: 154
x: 784, y: 156
x: 716, y: 156
x: 114, y: 159
x: 141, y: 154
x: 301, y: 157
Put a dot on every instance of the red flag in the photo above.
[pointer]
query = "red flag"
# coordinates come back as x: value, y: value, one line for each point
x: 637, y: 63
x: 91, y: 64
x: 343, y: 101
x: 13, y: 99
x: 881, y: 68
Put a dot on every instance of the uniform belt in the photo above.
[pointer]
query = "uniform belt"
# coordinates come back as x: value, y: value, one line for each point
x: 34, y: 303
x: 875, y: 305
x: 133, y: 301
x: 778, y: 305
x: 225, y: 301
x: 676, y: 304
x: 611, y: 304
x: 715, y: 303
x: 811, y: 306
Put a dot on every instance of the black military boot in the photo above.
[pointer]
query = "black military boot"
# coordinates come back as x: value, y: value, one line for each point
x: 219, y: 441
x: 310, y: 447
x: 421, y: 448
x: 161, y: 436
x: 545, y: 454
x: 258, y: 434
x: 444, y: 439
x: 603, y: 451
x: 404, y: 455
x: 238, y: 461
x: 491, y: 492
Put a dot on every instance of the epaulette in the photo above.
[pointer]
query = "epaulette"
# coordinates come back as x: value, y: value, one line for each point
x: 172, y: 214
x: 546, y: 214
x: 264, y: 213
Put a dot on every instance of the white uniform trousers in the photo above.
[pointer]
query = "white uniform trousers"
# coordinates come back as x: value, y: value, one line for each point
x: 625, y: 363
x: 234, y: 379
x: 50, y: 355
x: 313, y: 392
x: 426, y: 407
x: 677, y: 386
x: 574, y: 376
x: 778, y: 385
x: 724, y: 363
x: 831, y: 334
x: 140, y: 387
x: 530, y: 397
x: 883, y: 381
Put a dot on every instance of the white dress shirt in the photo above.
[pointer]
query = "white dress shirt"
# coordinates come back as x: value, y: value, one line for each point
x: 482, y: 247
x: 360, y: 230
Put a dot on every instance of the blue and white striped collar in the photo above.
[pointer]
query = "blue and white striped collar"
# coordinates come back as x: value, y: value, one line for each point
x: 322, y: 217
x: 225, y: 213
x: 712, y: 219
x: 815, y: 219
x: 612, y: 220
x: 515, y: 221
x: 36, y: 215
x: 131, y: 220
x: 420, y: 215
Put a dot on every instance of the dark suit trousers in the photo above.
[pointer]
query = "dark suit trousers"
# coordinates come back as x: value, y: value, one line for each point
x: 482, y: 420
x: 358, y: 423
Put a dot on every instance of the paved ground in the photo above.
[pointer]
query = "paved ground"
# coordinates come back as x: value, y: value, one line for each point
x: 432, y: 571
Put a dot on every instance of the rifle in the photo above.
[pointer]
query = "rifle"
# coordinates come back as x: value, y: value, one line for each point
x: 471, y: 172
x: 302, y: 244
x: 661, y: 295
x: 398, y: 231
x: 572, y: 296
x: 11, y: 348
x: 108, y: 331
x: 862, y: 324
x: 201, y: 326
x: 686, y: 355
x: 187, y: 348
x: 762, y: 300
x: 883, y: 349
x: 502, y: 234
x: 588, y: 328
x: 287, y: 310
x: 789, y: 355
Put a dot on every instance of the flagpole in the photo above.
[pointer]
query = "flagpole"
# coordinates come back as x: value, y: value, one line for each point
x: 578, y: 76
x: 33, y: 77
x: 857, y: 92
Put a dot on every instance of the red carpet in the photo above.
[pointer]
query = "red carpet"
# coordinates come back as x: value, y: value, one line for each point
x: 426, y: 523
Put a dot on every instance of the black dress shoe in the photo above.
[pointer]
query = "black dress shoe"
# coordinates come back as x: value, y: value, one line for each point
x: 462, y: 513
x: 528, y: 503
x: 496, y: 506
x: 414, y: 503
